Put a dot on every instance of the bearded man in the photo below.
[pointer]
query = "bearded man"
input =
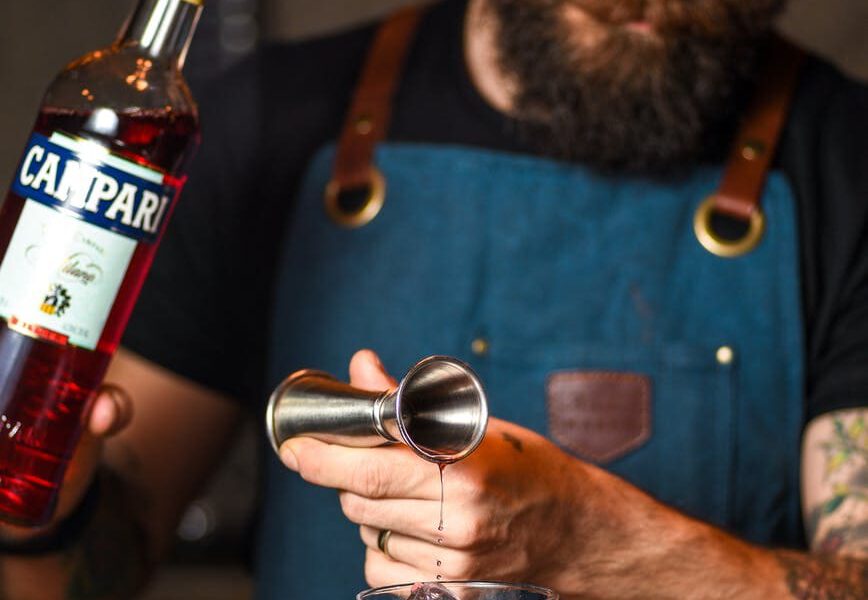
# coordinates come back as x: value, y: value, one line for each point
x: 519, y: 183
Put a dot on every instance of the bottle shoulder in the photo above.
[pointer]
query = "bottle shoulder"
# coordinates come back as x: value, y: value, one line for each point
x: 122, y: 79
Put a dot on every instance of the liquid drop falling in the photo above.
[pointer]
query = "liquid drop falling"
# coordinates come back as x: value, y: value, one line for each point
x: 442, y: 467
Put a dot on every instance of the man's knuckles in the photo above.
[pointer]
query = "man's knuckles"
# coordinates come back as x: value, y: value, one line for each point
x: 375, y: 479
x: 356, y: 508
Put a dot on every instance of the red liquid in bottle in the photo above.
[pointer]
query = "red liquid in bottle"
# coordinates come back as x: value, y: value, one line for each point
x: 46, y: 387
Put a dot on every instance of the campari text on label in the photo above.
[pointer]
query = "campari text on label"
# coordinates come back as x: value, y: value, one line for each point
x: 108, y: 191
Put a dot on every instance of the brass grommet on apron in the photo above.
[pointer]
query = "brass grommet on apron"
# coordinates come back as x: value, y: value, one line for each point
x: 719, y: 245
x: 352, y: 217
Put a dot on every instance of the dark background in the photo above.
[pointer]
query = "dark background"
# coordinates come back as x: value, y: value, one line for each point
x: 37, y: 37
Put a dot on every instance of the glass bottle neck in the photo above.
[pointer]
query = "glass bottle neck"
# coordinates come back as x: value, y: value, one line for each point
x: 162, y: 29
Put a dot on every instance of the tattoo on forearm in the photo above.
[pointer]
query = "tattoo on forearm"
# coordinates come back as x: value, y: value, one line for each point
x: 817, y: 577
x: 838, y: 523
x: 513, y: 441
x: 112, y: 559
x: 836, y: 480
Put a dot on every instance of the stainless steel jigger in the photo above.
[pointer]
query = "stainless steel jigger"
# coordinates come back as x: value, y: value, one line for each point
x: 439, y: 409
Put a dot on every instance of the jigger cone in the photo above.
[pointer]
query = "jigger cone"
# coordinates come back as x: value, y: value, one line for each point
x: 439, y: 409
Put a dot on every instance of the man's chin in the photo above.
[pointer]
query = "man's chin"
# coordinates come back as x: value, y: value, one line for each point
x: 619, y: 97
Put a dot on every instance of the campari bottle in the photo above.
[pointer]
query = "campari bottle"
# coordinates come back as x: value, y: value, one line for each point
x: 86, y: 209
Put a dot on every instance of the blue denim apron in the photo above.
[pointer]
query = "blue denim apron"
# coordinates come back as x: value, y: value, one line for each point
x: 559, y: 269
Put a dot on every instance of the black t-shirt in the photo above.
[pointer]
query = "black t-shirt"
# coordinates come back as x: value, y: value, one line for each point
x: 204, y: 310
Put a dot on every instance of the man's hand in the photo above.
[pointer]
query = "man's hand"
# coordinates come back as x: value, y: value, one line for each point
x: 109, y: 414
x: 151, y: 466
x: 511, y: 508
x: 520, y: 509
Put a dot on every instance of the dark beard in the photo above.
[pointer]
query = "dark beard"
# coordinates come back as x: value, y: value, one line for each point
x: 645, y: 104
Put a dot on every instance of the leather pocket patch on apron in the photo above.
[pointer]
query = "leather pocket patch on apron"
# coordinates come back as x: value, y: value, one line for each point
x: 600, y: 415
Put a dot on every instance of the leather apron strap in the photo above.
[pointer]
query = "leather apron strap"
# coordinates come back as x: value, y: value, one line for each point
x: 737, y: 197
x: 750, y: 159
x: 357, y: 189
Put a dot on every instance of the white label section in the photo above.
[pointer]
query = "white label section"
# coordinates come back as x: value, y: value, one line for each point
x: 62, y: 274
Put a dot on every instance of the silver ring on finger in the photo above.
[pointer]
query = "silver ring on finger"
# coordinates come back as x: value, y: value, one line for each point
x: 383, y: 542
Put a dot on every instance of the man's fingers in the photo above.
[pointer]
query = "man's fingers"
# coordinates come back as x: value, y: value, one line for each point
x: 383, y: 472
x: 422, y: 554
x: 367, y: 373
x: 401, y: 548
x: 111, y: 412
x: 380, y: 571
x: 79, y: 473
x: 418, y: 518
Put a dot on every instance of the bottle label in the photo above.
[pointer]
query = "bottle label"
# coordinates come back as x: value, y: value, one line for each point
x: 84, y: 213
x: 84, y: 179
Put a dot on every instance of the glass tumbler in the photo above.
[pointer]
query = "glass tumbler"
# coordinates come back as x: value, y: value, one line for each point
x: 462, y: 590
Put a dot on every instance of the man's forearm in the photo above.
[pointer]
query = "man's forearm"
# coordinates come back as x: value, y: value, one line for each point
x: 744, y: 571
x: 712, y: 564
x: 664, y: 554
x: 110, y: 561
x: 636, y: 547
x: 819, y: 577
